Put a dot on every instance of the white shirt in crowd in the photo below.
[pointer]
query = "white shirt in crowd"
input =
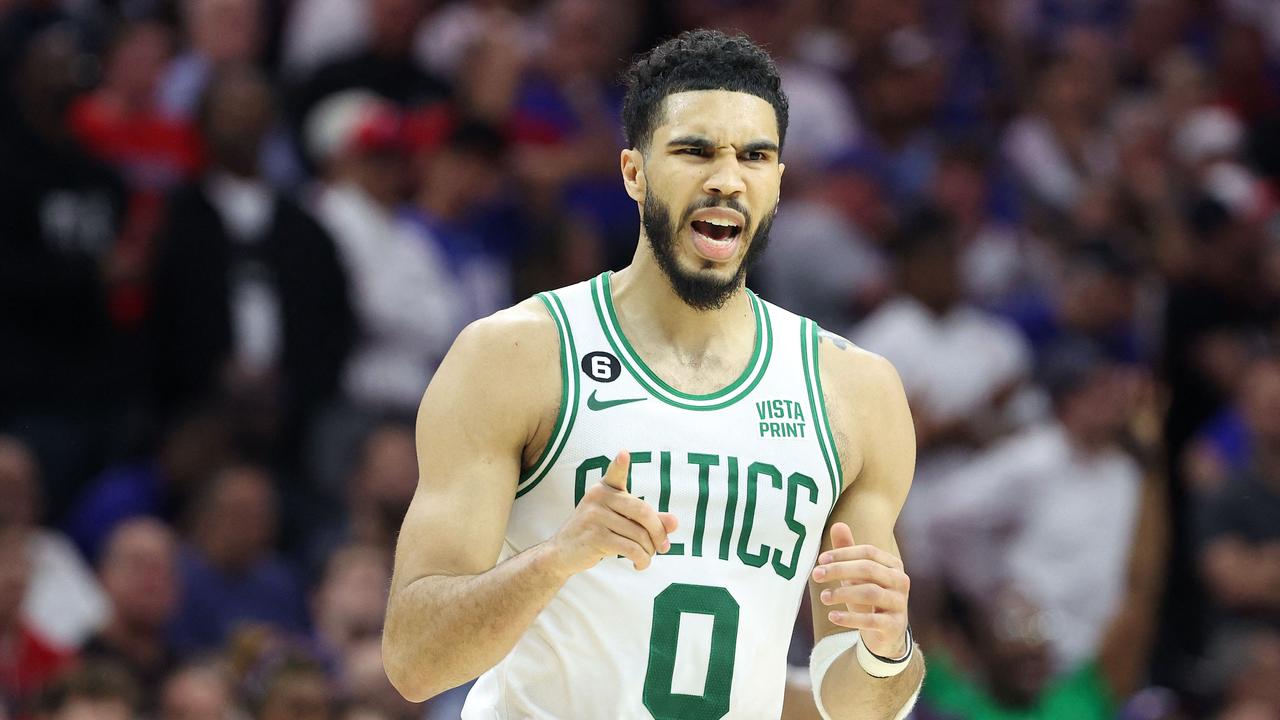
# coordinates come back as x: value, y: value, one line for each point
x: 950, y: 364
x: 1054, y: 520
x: 64, y: 603
x: 402, y: 297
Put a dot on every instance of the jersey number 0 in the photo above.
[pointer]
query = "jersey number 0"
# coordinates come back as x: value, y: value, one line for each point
x: 713, y: 703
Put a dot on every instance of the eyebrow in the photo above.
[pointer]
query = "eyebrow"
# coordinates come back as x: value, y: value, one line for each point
x: 704, y: 143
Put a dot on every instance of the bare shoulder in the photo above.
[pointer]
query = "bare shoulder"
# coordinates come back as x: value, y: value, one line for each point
x: 866, y: 404
x: 519, y: 334
x: 501, y: 377
x: 853, y: 371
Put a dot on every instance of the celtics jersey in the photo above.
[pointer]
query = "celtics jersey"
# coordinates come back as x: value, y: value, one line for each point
x: 751, y: 474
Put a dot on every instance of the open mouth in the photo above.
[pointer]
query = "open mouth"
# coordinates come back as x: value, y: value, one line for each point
x: 715, y: 238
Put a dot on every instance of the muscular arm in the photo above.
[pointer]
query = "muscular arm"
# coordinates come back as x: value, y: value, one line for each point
x: 453, y: 613
x: 876, y: 441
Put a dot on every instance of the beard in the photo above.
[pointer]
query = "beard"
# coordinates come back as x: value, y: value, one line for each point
x: 700, y: 291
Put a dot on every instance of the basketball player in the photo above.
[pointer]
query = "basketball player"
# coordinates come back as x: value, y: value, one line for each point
x: 626, y: 483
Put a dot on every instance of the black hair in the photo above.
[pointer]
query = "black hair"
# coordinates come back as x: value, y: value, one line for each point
x: 697, y: 60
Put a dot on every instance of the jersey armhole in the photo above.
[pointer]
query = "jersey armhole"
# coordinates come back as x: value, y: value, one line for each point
x: 569, y: 392
x: 818, y: 406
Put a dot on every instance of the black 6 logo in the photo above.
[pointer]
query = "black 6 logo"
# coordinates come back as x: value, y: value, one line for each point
x: 601, y: 366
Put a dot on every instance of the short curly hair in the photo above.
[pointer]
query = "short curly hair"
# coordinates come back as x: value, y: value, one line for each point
x: 697, y: 60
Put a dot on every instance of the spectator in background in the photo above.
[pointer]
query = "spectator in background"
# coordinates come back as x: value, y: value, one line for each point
x: 401, y: 291
x: 198, y: 691
x: 1239, y: 522
x: 61, y: 212
x: 1063, y: 144
x: 230, y: 574
x: 564, y: 113
x: 294, y: 687
x: 961, y: 368
x: 1055, y: 511
x: 899, y: 89
x: 1248, y: 679
x: 140, y: 575
x: 460, y: 207
x: 349, y: 603
x: 1092, y: 298
x: 219, y: 34
x: 385, y: 66
x: 997, y: 261
x: 64, y: 603
x: 28, y: 662
x: 998, y: 664
x: 986, y: 359
x: 96, y: 689
x: 156, y: 487
x: 122, y: 123
x: 375, y: 493
x: 251, y: 299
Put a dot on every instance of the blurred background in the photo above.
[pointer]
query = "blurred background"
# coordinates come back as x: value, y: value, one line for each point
x: 236, y: 236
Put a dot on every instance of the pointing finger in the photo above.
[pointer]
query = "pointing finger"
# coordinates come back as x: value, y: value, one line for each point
x: 616, y: 476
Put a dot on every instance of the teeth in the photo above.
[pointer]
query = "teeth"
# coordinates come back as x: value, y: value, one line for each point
x: 720, y: 223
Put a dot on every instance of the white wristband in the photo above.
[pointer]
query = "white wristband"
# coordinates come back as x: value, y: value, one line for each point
x: 878, y: 667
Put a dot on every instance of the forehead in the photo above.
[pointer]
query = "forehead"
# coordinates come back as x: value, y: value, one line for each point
x: 721, y: 115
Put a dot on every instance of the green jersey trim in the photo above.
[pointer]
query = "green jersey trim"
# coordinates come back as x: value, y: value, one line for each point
x: 601, y: 294
x: 818, y: 405
x: 569, y: 392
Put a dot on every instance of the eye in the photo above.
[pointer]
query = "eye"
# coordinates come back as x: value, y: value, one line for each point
x: 756, y: 156
x: 696, y: 151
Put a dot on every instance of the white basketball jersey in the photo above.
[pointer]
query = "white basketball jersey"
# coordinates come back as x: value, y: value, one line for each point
x: 751, y: 474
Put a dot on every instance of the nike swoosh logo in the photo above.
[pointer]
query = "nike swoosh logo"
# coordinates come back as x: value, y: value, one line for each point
x: 595, y: 404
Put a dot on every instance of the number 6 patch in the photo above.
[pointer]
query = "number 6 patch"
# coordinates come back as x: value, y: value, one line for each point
x: 601, y: 366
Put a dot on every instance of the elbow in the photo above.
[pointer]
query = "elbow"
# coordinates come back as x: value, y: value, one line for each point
x: 414, y: 679
x: 416, y: 687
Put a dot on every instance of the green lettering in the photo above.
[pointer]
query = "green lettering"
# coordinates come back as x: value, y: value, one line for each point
x: 637, y: 458
x: 599, y: 462
x: 794, y: 481
x: 757, y: 559
x: 664, y: 495
x: 730, y: 508
x: 704, y: 462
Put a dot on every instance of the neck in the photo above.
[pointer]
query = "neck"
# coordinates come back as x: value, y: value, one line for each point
x: 655, y: 316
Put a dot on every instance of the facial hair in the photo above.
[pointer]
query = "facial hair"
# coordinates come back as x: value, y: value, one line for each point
x: 698, y: 290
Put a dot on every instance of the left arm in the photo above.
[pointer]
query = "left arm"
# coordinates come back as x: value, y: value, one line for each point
x: 864, y: 586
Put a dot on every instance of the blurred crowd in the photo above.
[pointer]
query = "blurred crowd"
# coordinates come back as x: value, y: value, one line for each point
x: 236, y: 236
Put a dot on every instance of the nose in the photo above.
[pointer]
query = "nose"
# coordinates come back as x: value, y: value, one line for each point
x: 725, y: 179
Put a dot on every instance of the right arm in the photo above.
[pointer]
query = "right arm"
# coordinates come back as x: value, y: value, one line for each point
x: 453, y: 613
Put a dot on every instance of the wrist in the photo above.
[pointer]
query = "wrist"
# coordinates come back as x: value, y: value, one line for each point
x: 893, y: 653
x: 880, y: 666
x: 548, y: 560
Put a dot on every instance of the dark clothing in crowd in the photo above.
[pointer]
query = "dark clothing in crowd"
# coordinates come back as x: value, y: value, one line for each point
x: 215, y: 605
x: 192, y: 323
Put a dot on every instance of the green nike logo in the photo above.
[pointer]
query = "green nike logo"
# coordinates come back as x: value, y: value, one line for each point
x: 595, y: 404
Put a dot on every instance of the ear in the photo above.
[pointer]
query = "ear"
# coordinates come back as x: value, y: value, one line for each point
x: 633, y: 173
